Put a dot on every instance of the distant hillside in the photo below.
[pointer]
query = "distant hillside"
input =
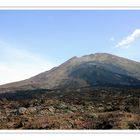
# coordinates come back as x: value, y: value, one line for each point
x: 99, y: 69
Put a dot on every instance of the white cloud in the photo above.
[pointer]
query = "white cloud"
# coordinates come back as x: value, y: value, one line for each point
x: 19, y: 64
x: 129, y: 39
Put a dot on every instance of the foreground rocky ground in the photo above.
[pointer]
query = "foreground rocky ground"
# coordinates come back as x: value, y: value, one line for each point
x: 85, y: 108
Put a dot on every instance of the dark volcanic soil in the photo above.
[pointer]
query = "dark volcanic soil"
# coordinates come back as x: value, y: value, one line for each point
x: 83, y: 108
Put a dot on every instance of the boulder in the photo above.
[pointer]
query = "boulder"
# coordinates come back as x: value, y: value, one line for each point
x: 22, y: 110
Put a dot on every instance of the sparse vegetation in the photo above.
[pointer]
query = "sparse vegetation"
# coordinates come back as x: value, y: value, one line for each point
x: 91, y: 108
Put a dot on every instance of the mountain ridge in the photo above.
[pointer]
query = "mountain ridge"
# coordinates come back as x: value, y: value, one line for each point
x: 98, y: 68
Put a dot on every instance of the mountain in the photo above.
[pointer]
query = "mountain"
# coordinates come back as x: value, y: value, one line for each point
x: 100, y: 69
x: 97, y: 91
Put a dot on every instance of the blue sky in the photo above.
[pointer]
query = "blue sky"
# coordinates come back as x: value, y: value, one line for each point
x: 35, y: 41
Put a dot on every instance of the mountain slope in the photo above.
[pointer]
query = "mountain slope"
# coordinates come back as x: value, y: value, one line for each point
x: 95, y: 69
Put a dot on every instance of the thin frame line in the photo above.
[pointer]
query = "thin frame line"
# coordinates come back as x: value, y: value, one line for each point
x: 47, y: 132
x: 78, y: 7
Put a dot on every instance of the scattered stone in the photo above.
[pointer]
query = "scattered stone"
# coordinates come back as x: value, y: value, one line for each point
x: 32, y: 109
x: 60, y: 96
x: 92, y: 115
x: 10, y: 124
x: 109, y: 103
x: 72, y: 108
x: 101, y: 108
x: 7, y: 112
x: 51, y: 109
x: 109, y: 108
x: 69, y: 111
x: 3, y: 118
x: 13, y: 111
x: 80, y: 118
x: 65, y: 110
x: 100, y: 105
x: 90, y: 108
x: 78, y: 90
x: 66, y: 125
x: 22, y: 110
x: 62, y: 106
x: 43, y: 112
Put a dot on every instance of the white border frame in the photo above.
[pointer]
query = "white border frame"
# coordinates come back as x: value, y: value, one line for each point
x: 26, y: 5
